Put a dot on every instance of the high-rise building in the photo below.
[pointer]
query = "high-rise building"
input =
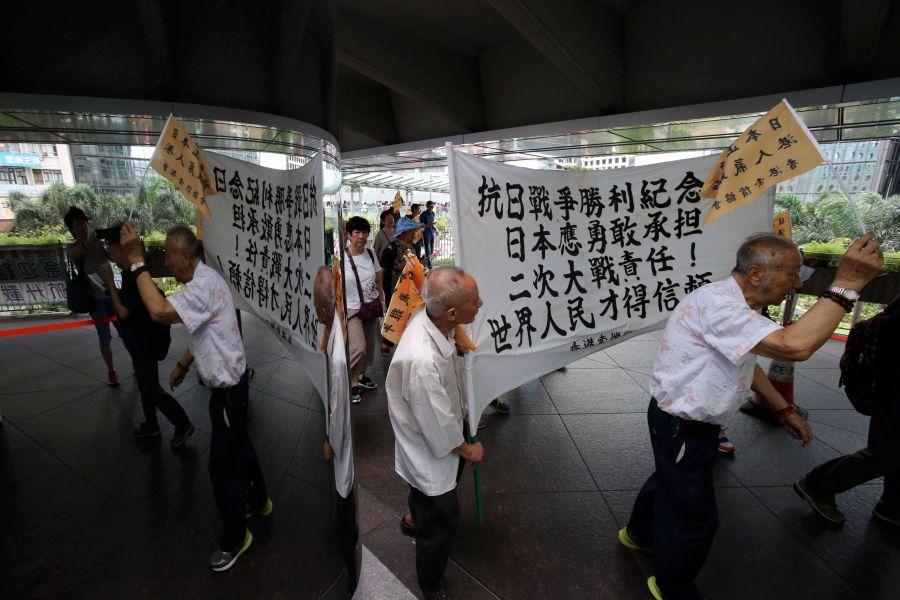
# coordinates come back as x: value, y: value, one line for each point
x: 30, y: 169
x: 109, y: 169
x: 863, y: 166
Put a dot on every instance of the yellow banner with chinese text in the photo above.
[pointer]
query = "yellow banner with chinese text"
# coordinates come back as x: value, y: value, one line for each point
x: 776, y: 147
x: 406, y: 300
x: 781, y: 224
x: 177, y: 158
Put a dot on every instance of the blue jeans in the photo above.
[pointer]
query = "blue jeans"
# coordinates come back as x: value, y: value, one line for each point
x: 103, y: 308
x: 429, y: 246
x: 675, y: 512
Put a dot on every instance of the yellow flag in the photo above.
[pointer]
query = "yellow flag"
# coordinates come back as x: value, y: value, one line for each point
x: 777, y: 147
x: 406, y: 300
x: 781, y: 224
x: 177, y: 158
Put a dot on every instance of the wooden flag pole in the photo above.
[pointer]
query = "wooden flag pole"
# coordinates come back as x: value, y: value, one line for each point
x: 844, y: 189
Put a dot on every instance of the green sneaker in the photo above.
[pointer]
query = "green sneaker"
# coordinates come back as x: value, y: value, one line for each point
x: 626, y: 540
x: 825, y: 507
x: 265, y: 511
x: 222, y: 561
x: 499, y: 405
x: 654, y: 588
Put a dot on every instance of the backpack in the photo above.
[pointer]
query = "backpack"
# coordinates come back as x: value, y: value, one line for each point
x: 860, y: 364
x: 79, y: 297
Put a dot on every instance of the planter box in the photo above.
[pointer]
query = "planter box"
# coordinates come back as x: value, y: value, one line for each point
x: 884, y: 288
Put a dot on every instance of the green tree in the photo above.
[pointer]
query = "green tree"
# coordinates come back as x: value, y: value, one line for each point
x: 831, y: 217
x: 47, y: 210
x: 157, y: 207
x: 161, y: 206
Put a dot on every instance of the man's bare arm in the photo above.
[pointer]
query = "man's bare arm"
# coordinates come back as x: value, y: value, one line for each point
x: 859, y: 265
x: 160, y: 309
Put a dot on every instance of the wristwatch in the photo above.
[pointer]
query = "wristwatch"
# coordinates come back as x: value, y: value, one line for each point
x: 140, y: 265
x: 850, y: 295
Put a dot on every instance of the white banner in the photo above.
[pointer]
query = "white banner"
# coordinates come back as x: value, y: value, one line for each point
x: 266, y: 238
x: 569, y: 263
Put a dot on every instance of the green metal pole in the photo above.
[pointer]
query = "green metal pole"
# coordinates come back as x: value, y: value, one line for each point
x: 476, y: 472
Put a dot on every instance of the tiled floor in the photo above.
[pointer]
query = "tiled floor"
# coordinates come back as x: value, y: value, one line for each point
x: 89, y: 513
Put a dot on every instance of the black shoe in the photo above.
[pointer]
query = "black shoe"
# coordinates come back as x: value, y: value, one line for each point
x: 367, y: 383
x: 181, y: 437
x: 822, y: 504
x: 499, y: 405
x: 222, y: 560
x: 144, y: 431
x: 407, y: 529
x: 355, y: 396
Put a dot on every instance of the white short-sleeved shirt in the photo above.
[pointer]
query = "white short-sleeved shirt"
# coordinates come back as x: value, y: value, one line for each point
x: 367, y: 266
x: 207, y: 310
x: 704, y: 369
x: 424, y: 402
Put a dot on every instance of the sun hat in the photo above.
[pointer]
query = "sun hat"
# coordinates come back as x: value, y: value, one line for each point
x: 406, y: 224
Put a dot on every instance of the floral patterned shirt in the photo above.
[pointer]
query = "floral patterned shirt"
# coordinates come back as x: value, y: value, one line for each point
x: 704, y: 369
x: 207, y: 310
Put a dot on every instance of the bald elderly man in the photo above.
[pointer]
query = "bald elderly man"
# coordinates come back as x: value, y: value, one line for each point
x: 204, y: 305
x: 705, y: 368
x: 427, y: 413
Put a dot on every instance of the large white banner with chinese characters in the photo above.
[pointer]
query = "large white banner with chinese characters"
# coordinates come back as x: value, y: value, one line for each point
x: 569, y: 263
x: 266, y: 238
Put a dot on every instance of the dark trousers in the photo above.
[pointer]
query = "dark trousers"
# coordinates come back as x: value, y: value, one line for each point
x: 879, y: 458
x: 429, y: 247
x: 675, y: 512
x: 153, y: 396
x: 237, y: 478
x: 436, y: 519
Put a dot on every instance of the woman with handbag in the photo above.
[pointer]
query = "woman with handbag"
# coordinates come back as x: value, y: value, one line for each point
x: 365, y: 304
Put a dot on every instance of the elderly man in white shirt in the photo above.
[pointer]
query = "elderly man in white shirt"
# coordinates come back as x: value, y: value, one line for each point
x: 206, y: 308
x: 427, y: 413
x: 705, y: 368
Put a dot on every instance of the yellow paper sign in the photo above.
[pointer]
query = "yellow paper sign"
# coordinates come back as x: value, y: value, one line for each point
x: 406, y: 300
x: 775, y: 148
x: 781, y: 224
x: 177, y: 158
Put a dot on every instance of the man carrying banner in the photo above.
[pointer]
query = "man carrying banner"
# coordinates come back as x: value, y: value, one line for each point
x: 705, y: 367
x: 206, y: 308
x: 426, y: 408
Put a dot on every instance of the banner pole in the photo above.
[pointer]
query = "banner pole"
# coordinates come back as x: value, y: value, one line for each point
x: 843, y: 187
x: 473, y: 438
x: 340, y: 241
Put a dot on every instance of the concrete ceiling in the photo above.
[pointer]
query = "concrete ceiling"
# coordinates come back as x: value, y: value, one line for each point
x: 416, y: 69
x: 379, y: 73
